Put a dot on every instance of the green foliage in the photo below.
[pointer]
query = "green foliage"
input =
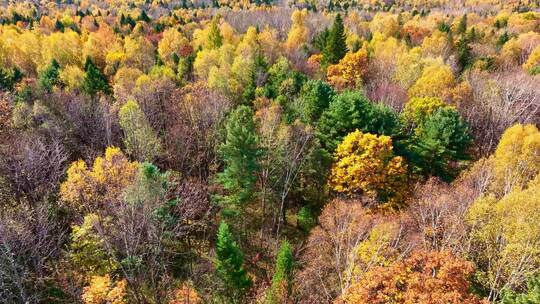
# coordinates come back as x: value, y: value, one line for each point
x: 315, y: 97
x: 49, y: 77
x: 438, y: 141
x: 282, y: 279
x: 503, y: 39
x: 443, y: 27
x: 306, y: 219
x: 8, y: 78
x: 336, y: 46
x: 140, y: 139
x: 94, y: 81
x: 350, y: 111
x: 229, y: 266
x: 464, y: 52
x: 240, y: 153
x: 531, y: 296
x: 319, y: 41
x: 87, y: 249
x: 282, y: 80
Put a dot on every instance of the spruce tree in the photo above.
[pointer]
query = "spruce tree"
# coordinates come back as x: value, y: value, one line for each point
x: 240, y: 154
x: 229, y: 266
x: 94, y: 81
x: 281, y: 281
x: 336, y: 46
x: 50, y: 76
x: 439, y: 141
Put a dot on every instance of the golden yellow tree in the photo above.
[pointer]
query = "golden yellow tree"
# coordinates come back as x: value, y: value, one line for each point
x: 517, y: 158
x: 365, y: 164
x: 103, y: 290
x: 173, y: 43
x: 103, y: 184
x: 350, y: 70
x: 437, y: 80
x: 419, y: 108
x: 299, y: 33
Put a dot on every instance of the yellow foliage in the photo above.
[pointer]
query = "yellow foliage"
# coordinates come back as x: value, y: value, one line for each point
x: 385, y: 24
x: 103, y: 184
x: 438, y: 44
x: 508, y: 234
x: 517, y: 158
x: 65, y: 47
x: 418, y: 108
x: 365, y: 164
x: 409, y: 67
x: 384, y: 50
x: 99, y: 43
x: 173, y: 42
x: 72, y: 76
x: 299, y: 33
x: 534, y: 60
x: 104, y: 291
x: 436, y: 81
x: 350, y: 70
x: 375, y: 251
x: 139, y: 53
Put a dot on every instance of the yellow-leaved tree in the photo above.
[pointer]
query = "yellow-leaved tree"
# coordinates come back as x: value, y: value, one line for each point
x: 417, y: 109
x: 299, y: 33
x: 103, y: 290
x: 437, y: 80
x: 365, y: 164
x: 350, y: 70
x: 87, y: 188
x: 517, y: 158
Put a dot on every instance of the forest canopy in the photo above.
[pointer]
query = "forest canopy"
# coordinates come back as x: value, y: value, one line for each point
x: 275, y: 152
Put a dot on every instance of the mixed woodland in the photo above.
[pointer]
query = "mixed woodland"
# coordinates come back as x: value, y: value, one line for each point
x: 273, y: 152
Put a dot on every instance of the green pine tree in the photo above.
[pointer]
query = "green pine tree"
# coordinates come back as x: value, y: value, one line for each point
x: 94, y: 81
x: 349, y: 111
x: 50, y: 76
x: 464, y: 52
x: 281, y: 281
x: 240, y: 153
x: 229, y: 266
x: 441, y: 139
x: 336, y: 46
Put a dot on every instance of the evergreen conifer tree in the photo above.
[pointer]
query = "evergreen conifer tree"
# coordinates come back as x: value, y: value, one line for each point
x: 336, y: 46
x: 229, y: 266
x: 50, y: 76
x: 94, y: 81
x: 240, y: 154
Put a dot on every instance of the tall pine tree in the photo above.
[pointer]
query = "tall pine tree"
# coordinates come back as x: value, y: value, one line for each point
x: 229, y: 266
x: 94, y: 81
x: 240, y: 153
x: 336, y: 46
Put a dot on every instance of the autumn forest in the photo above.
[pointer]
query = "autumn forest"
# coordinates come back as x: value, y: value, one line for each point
x: 270, y: 152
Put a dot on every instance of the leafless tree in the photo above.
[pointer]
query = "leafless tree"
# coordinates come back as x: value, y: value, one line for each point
x: 500, y: 101
x: 30, y: 243
x: 33, y: 168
